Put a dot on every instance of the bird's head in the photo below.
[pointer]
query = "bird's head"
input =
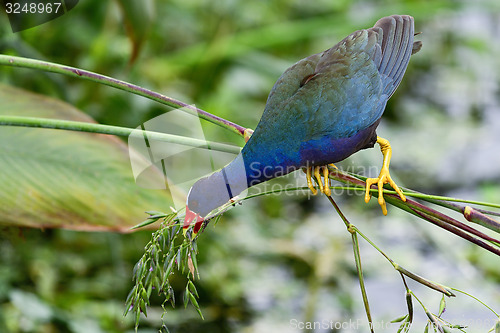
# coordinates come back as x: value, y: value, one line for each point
x: 204, y: 196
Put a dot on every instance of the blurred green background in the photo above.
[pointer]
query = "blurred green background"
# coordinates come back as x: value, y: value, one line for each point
x: 278, y: 260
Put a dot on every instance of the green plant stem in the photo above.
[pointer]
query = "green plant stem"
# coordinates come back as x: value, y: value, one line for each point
x: 113, y: 130
x: 445, y: 222
x: 445, y: 218
x: 435, y: 217
x: 471, y: 214
x: 122, y: 85
x: 359, y: 268
x: 443, y: 201
x: 393, y: 199
x: 478, y: 300
x: 433, y: 285
x: 442, y: 220
x: 361, y: 188
x: 349, y: 178
x: 478, y: 216
x: 357, y: 258
x: 354, y: 230
x: 431, y: 317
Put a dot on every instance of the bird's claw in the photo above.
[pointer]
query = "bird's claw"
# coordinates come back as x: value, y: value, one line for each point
x: 383, y: 178
x: 316, y: 172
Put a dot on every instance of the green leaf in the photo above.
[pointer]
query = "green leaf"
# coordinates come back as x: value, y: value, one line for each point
x: 409, y: 303
x: 442, y: 306
x: 194, y: 261
x: 171, y: 296
x: 458, y: 326
x: 186, y: 297
x: 143, y: 307
x: 404, y: 327
x: 145, y: 223
x: 154, y: 213
x: 63, y: 179
x: 168, y: 270
x: 130, y: 298
x: 192, y: 288
x: 157, y: 284
x: 179, y: 259
x: 399, y: 319
x: 199, y: 313
x: 144, y: 294
x: 193, y: 300
x: 137, y: 319
x: 196, y: 305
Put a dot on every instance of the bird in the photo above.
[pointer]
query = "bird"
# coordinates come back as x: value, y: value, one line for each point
x: 321, y: 110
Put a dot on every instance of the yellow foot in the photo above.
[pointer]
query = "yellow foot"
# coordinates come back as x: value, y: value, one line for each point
x: 384, y: 177
x: 316, y: 171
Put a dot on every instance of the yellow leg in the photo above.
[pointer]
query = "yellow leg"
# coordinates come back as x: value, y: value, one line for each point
x: 326, y: 177
x: 318, y: 178
x: 316, y: 172
x: 384, y: 177
x: 309, y: 181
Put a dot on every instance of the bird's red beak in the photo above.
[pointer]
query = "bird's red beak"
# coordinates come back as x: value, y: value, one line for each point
x: 190, y: 217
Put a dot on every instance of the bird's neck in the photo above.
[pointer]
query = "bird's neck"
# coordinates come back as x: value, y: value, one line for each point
x: 244, y: 171
x: 261, y: 166
x: 232, y: 178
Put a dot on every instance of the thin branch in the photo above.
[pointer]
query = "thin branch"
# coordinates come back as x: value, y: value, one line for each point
x: 122, y: 85
x: 408, y: 206
x: 114, y: 130
x: 431, y: 317
x: 475, y: 215
x: 440, y: 219
x: 433, y: 285
x: 350, y: 178
x: 478, y: 300
x: 416, y: 206
x: 357, y: 258
x: 456, y: 231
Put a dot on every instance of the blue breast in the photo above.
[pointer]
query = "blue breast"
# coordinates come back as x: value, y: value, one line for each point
x: 265, y: 164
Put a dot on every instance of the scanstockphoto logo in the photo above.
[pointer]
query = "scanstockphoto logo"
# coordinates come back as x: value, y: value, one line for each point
x: 25, y: 14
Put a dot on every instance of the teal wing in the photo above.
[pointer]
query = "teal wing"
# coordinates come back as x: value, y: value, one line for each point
x: 290, y: 82
x: 343, y: 90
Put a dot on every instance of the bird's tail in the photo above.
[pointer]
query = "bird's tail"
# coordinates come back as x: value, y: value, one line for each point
x: 397, y: 33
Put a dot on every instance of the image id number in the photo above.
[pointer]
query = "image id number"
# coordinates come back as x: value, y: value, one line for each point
x: 32, y: 8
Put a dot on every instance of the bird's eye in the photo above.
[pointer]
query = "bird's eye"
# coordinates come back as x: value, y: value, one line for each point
x: 193, y: 205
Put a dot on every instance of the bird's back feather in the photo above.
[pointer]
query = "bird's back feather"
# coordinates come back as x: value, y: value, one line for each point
x: 344, y: 89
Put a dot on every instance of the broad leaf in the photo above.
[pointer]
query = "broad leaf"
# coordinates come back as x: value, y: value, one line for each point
x: 62, y: 179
